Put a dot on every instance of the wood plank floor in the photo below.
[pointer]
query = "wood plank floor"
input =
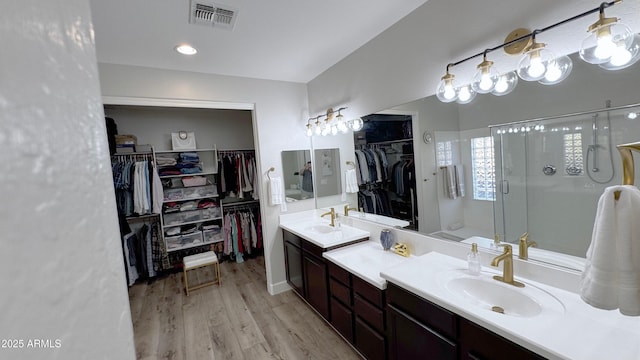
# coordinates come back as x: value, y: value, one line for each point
x: 237, y: 320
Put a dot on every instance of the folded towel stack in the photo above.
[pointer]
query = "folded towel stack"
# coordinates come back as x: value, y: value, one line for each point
x: 611, y: 278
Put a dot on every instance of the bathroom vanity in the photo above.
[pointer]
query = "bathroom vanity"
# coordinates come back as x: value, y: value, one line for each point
x: 428, y: 306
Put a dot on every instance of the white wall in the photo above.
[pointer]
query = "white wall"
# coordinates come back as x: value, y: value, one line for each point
x: 61, y: 264
x: 225, y: 129
x: 280, y: 112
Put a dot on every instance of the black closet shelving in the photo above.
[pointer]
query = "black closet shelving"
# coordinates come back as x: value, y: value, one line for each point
x: 392, y: 194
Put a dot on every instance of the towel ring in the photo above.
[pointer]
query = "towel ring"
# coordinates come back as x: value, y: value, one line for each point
x: 628, y: 169
x: 351, y: 163
x: 269, y: 171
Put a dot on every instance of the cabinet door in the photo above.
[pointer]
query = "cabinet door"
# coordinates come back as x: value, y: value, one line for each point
x: 316, y: 284
x: 293, y: 264
x: 478, y: 343
x: 342, y: 319
x: 409, y: 339
x: 369, y: 342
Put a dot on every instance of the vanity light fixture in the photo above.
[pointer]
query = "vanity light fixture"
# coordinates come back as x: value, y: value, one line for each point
x: 607, y: 41
x: 610, y: 44
x: 186, y: 49
x: 506, y: 84
x: 327, y: 124
x: 485, y: 78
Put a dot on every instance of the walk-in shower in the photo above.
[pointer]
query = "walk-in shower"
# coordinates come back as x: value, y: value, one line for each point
x: 546, y: 187
x: 592, y: 150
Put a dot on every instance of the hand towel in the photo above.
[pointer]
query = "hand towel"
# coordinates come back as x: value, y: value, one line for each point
x: 276, y: 193
x: 449, y: 174
x: 351, y: 181
x: 459, y: 180
x: 611, y: 278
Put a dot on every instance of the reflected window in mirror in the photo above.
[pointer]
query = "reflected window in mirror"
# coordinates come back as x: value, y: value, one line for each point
x: 483, y: 168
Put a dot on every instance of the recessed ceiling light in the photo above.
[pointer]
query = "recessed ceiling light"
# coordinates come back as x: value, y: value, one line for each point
x: 186, y: 49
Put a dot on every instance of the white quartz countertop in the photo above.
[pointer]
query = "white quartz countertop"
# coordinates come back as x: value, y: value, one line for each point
x: 365, y: 260
x: 310, y: 226
x: 574, y: 330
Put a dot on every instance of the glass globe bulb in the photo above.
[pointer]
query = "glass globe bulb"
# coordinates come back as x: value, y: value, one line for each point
x: 309, y: 132
x: 485, y: 78
x: 506, y: 84
x: 466, y: 94
x: 334, y: 130
x: 557, y: 70
x: 603, y: 40
x: 533, y: 65
x: 357, y: 124
x: 446, y: 90
x: 318, y: 128
x: 624, y: 55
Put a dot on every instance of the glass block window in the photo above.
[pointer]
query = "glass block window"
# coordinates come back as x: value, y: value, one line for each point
x: 483, y: 167
x: 573, y: 163
x: 444, y: 155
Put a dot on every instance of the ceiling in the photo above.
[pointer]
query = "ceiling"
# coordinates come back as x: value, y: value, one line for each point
x: 287, y: 40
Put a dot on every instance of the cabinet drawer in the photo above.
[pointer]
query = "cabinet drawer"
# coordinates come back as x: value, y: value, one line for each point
x: 292, y: 238
x: 369, y: 342
x: 342, y: 319
x: 369, y: 292
x: 340, y: 292
x: 339, y: 273
x: 428, y: 313
x: 370, y: 314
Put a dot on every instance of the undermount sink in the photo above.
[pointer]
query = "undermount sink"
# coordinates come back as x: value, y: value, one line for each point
x: 489, y: 294
x: 322, y: 229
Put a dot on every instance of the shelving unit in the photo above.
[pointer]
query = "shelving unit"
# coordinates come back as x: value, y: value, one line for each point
x: 176, y: 194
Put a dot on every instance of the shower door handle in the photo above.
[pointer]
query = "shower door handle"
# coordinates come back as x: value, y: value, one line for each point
x: 505, y: 187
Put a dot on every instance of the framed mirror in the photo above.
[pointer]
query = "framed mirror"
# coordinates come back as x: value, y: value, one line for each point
x: 327, y: 172
x: 298, y: 174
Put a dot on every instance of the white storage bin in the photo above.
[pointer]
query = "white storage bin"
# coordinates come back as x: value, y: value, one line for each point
x: 174, y: 218
x: 192, y: 239
x: 211, y: 213
x: 200, y: 192
x: 173, y: 194
x: 213, y: 235
x: 192, y: 215
x: 173, y: 242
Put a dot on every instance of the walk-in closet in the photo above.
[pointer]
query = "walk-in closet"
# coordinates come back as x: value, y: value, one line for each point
x: 385, y: 167
x: 185, y: 183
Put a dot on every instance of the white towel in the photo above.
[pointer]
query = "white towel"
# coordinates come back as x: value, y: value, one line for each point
x: 351, y: 181
x: 611, y: 278
x: 449, y: 175
x: 276, y: 193
x: 459, y: 180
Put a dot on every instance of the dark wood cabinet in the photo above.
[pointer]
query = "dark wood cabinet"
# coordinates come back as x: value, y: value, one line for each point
x: 293, y: 262
x: 307, y: 272
x: 316, y: 283
x: 420, y: 329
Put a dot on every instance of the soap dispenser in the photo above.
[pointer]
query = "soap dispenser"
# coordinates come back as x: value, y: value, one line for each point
x: 474, y: 260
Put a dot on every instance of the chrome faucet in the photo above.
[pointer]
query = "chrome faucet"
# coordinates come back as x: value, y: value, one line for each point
x: 523, y: 247
x: 347, y: 208
x: 333, y: 216
x: 507, y: 273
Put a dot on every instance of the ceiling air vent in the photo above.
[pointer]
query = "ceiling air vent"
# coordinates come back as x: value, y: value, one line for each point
x: 210, y: 14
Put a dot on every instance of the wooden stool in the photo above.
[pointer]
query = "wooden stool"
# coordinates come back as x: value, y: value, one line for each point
x: 200, y: 260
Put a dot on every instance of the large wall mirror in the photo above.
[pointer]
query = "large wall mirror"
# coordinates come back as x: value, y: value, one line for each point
x: 546, y: 180
x: 298, y: 174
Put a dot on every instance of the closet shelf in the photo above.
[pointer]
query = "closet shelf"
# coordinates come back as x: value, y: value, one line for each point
x: 189, y: 199
x: 182, y: 151
x: 210, y: 172
x: 191, y: 222
x: 142, y: 217
x: 195, y: 245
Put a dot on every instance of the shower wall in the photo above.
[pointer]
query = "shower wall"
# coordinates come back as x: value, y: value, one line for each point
x: 558, y: 208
